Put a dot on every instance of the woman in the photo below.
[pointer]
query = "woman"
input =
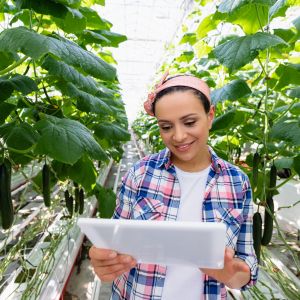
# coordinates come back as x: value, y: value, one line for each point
x: 187, y: 181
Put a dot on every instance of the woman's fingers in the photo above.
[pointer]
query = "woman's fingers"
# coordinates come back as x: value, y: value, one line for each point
x: 108, y: 265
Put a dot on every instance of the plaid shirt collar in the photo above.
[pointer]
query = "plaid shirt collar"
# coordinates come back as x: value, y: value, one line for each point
x: 164, y: 159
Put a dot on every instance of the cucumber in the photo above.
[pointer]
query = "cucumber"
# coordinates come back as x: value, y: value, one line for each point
x: 46, y: 185
x: 268, y: 223
x: 257, y: 234
x: 6, y: 205
x: 81, y: 201
x: 76, y: 197
x: 69, y: 202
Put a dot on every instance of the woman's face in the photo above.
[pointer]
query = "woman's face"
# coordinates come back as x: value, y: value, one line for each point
x: 184, y: 127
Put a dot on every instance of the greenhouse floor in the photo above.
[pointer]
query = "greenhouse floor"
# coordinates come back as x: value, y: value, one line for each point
x: 80, y: 285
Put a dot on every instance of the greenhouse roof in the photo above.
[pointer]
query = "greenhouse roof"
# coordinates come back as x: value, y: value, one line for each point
x: 149, y: 27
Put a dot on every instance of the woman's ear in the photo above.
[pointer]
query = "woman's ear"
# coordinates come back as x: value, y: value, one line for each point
x: 211, y: 115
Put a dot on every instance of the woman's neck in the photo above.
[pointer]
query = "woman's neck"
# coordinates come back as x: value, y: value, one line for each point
x: 200, y: 164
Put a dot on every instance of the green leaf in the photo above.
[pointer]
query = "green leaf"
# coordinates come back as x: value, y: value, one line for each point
x: 5, y: 110
x: 111, y: 131
x: 223, y: 121
x: 286, y: 34
x: 251, y: 17
x: 186, y: 56
x: 70, y: 3
x: 90, y: 37
x: 242, y: 50
x: 278, y: 9
x: 284, y: 162
x: 93, y: 20
x: 18, y: 136
x: 287, y: 130
x: 7, y: 58
x: 73, y: 22
x: 18, y: 82
x: 287, y: 74
x: 106, y: 201
x: 114, y: 38
x: 234, y: 90
x: 37, y: 45
x: 85, y: 101
x: 70, y: 74
x: 202, y: 49
x: 66, y: 140
x: 209, y: 23
x: 189, y: 37
x: 229, y: 6
x: 294, y: 93
x: 45, y: 7
x: 86, y: 177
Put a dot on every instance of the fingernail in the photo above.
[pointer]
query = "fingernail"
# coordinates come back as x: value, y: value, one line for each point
x: 112, y: 254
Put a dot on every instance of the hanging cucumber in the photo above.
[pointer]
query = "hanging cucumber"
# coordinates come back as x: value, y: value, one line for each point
x: 69, y: 202
x: 256, y: 160
x: 268, y: 221
x: 81, y: 201
x: 46, y: 185
x: 76, y: 197
x: 6, y: 205
x: 257, y: 233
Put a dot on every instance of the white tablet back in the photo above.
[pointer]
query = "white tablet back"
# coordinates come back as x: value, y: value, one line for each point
x: 160, y: 242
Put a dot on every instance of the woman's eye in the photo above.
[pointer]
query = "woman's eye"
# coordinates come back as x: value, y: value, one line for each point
x: 165, y: 128
x: 190, y: 123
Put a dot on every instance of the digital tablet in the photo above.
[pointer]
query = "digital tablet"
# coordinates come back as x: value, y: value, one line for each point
x: 160, y: 242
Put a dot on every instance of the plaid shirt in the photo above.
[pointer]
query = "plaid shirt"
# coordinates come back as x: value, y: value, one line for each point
x: 151, y: 191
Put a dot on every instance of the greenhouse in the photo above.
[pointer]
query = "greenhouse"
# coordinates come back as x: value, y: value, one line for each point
x: 117, y: 115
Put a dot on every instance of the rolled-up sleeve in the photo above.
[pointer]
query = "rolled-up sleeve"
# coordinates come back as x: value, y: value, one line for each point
x: 245, y: 249
x: 127, y: 192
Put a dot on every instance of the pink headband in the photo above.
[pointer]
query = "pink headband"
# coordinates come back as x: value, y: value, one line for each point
x: 181, y: 80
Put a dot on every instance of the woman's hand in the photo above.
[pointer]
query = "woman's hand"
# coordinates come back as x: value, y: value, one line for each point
x: 108, y: 264
x: 235, y: 274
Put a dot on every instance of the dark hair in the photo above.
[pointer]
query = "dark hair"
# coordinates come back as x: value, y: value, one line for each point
x: 205, y: 102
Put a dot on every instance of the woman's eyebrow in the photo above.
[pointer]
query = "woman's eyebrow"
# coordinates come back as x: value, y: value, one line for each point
x: 182, y: 118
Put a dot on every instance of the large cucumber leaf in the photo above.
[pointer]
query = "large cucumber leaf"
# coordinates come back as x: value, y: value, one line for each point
x: 67, y: 140
x: 68, y: 73
x: 86, y: 177
x: 234, y: 90
x: 287, y: 130
x: 73, y: 22
x: 93, y: 20
x: 241, y: 50
x: 45, y: 7
x: 224, y: 121
x: 18, y: 82
x: 5, y: 110
x: 37, y: 45
x: 18, y: 136
x: 111, y: 131
x: 85, y: 101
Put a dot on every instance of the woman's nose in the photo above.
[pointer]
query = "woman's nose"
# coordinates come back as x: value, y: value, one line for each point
x: 179, y: 134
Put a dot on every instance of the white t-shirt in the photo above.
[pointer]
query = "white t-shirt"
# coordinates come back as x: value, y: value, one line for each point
x: 186, y: 282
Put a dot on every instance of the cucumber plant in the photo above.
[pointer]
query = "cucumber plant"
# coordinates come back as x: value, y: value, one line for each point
x: 59, y: 94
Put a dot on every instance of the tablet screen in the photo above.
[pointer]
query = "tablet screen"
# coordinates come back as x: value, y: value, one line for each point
x: 160, y: 242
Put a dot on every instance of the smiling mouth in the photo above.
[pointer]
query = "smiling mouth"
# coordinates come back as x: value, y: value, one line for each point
x: 183, y: 147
